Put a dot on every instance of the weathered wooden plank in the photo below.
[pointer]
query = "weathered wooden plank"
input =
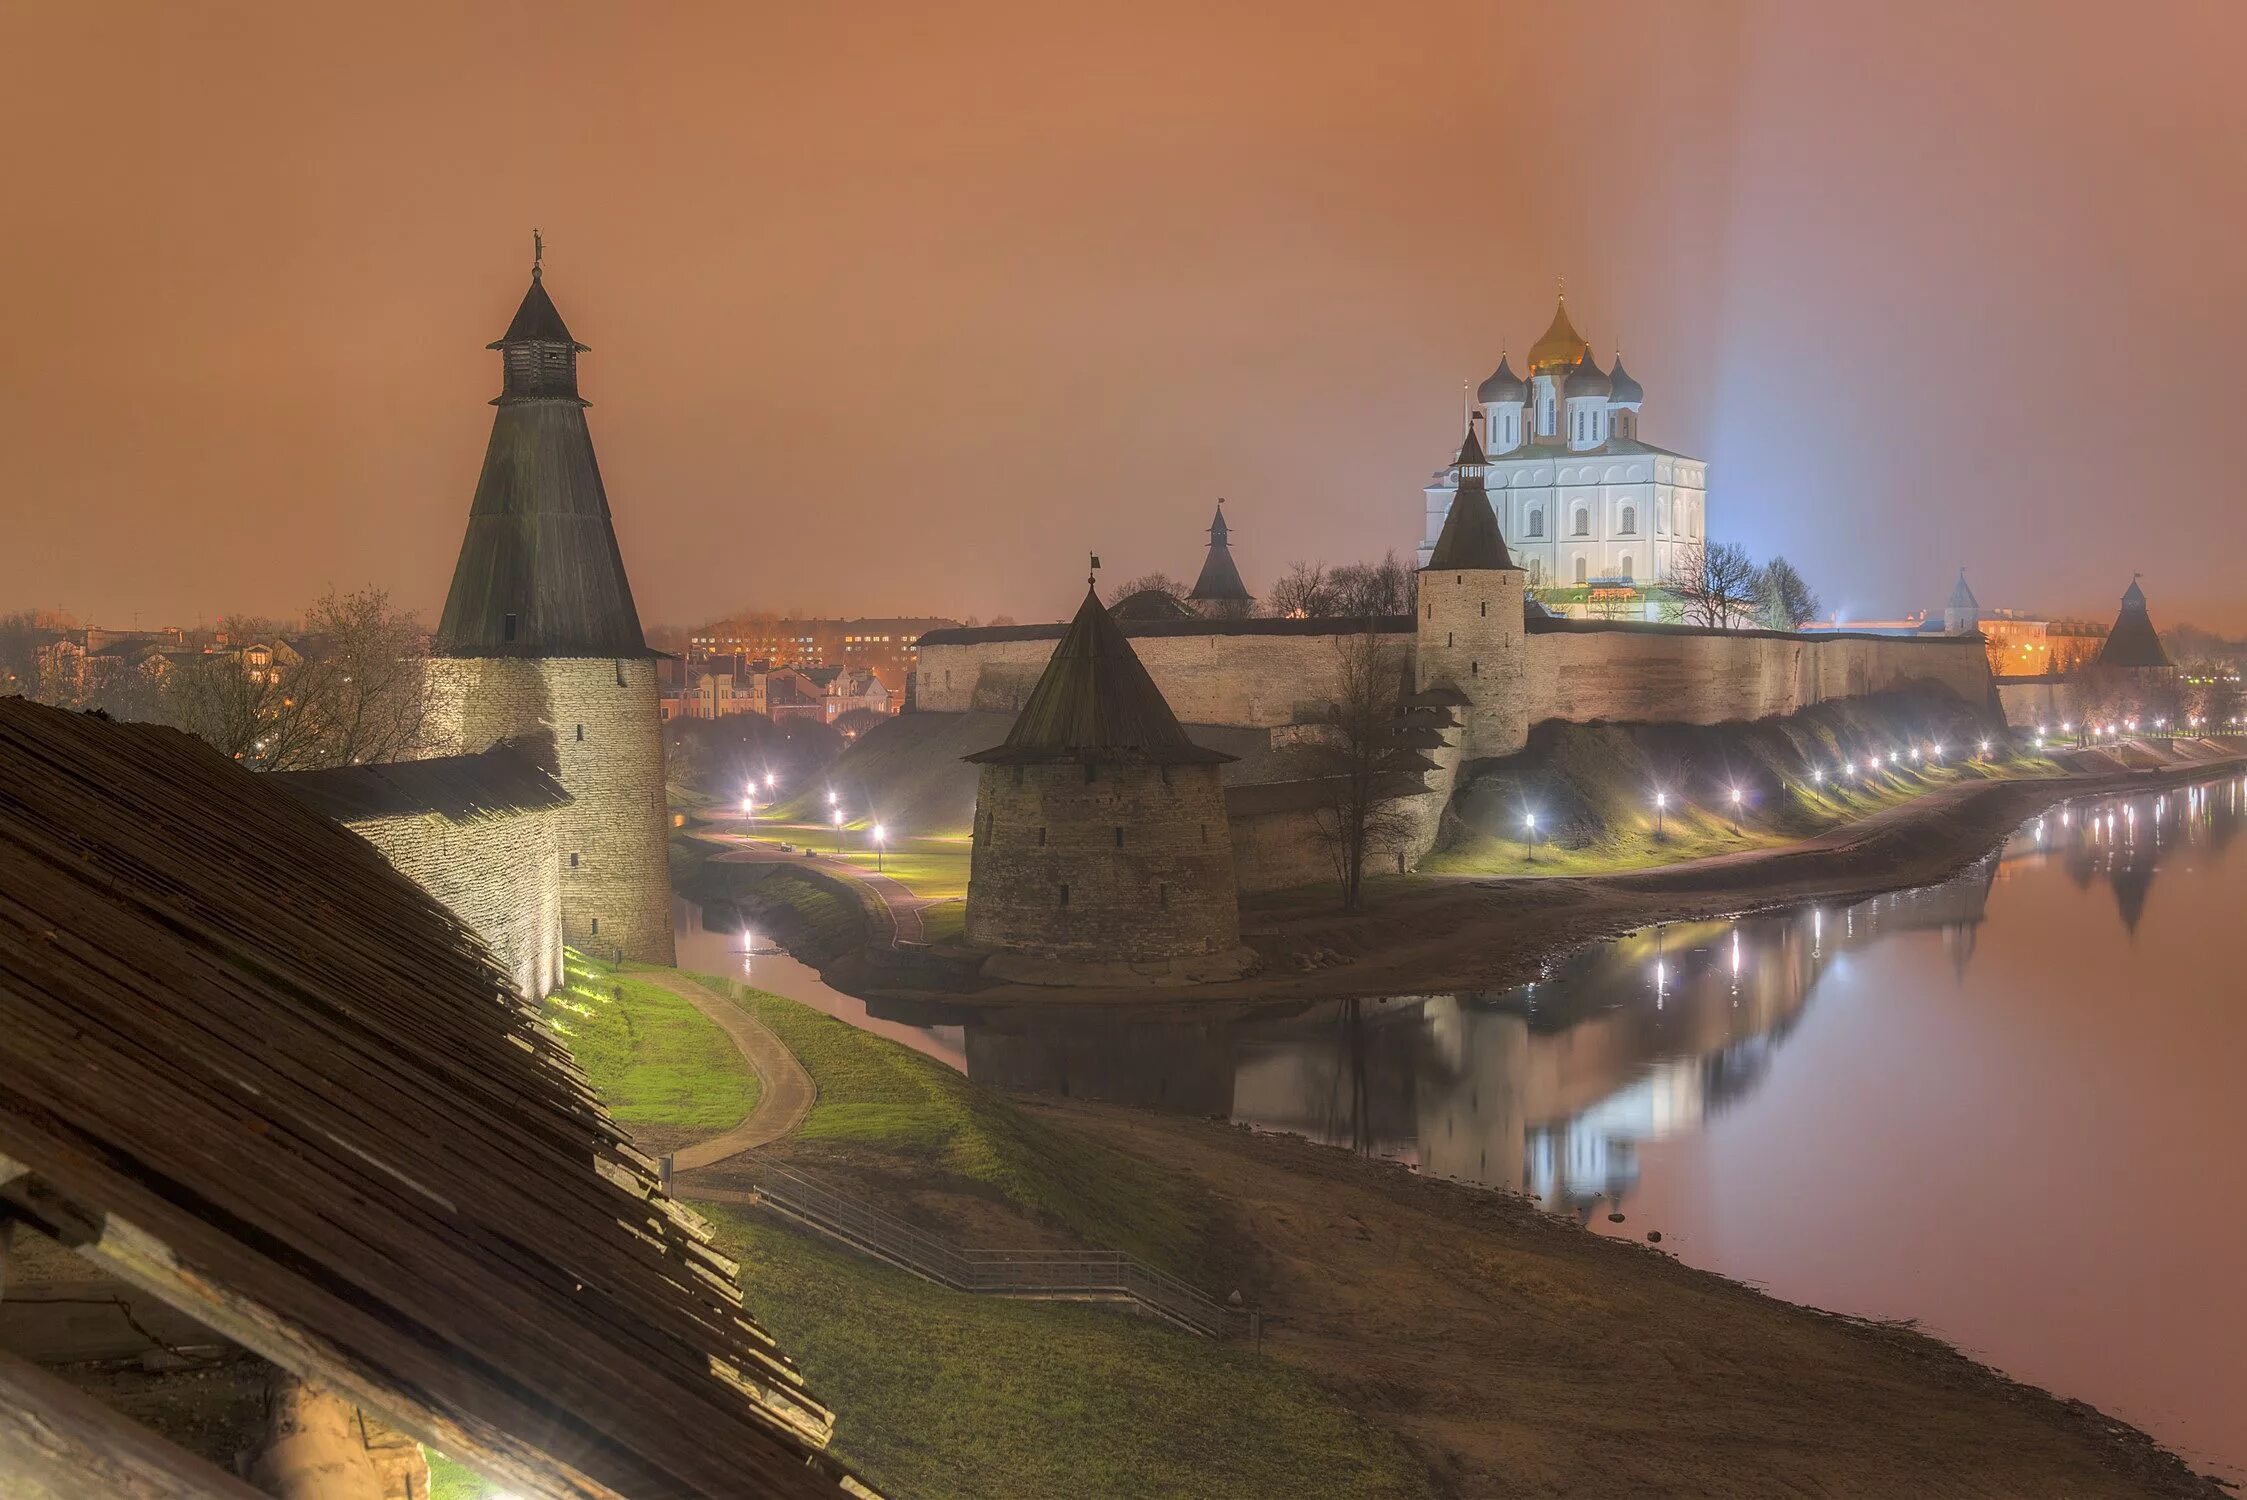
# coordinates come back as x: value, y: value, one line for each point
x: 249, y: 1061
x: 58, y: 1443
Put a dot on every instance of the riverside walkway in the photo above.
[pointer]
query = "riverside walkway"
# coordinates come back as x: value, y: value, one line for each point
x: 786, y: 1092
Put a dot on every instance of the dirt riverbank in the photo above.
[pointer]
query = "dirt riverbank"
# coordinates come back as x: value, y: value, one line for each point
x: 1518, y: 1354
x: 1460, y: 932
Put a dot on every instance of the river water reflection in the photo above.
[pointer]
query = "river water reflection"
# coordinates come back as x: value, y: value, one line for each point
x: 2005, y: 1106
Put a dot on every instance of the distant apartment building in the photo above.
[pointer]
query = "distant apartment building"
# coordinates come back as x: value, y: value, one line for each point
x: 885, y: 647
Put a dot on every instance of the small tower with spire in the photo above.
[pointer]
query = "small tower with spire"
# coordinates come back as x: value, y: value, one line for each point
x: 1962, y: 614
x: 540, y: 636
x: 1219, y: 593
x: 1101, y: 852
x: 1471, y: 631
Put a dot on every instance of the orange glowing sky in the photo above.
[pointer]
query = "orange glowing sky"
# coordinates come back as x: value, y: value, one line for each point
x: 903, y: 309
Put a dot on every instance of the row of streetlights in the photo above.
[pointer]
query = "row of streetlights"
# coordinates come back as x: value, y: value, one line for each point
x: 1735, y: 795
x: 835, y: 812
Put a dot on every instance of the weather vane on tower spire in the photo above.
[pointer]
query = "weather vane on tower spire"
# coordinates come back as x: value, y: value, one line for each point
x: 538, y: 251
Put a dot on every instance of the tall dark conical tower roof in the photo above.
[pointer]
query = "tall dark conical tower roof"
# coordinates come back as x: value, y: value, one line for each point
x: 539, y: 572
x: 1220, y: 581
x: 1470, y: 540
x: 1096, y: 703
x: 2133, y: 642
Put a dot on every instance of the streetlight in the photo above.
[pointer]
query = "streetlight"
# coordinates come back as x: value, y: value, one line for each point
x: 1818, y: 776
x: 838, y: 832
x: 877, y: 848
x: 1529, y: 826
x: 1986, y: 745
x: 1735, y: 809
x: 771, y: 781
x: 1661, y: 800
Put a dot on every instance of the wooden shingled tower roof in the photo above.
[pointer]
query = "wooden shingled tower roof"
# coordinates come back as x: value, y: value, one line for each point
x: 1096, y: 703
x: 1220, y: 580
x: 252, y: 1070
x: 2133, y: 642
x: 1470, y: 540
x: 540, y: 573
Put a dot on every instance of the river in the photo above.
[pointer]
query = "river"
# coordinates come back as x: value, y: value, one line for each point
x: 2006, y: 1107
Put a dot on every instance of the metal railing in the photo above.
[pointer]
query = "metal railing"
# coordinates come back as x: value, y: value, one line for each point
x: 1032, y: 1273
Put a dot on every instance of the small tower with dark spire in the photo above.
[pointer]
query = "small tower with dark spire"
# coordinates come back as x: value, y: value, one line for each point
x: 2134, y: 645
x: 540, y: 634
x: 1219, y: 593
x: 1962, y: 613
x: 1101, y: 852
x: 1471, y: 632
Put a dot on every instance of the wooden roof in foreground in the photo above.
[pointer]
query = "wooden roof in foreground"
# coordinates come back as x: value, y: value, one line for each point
x: 250, y: 1068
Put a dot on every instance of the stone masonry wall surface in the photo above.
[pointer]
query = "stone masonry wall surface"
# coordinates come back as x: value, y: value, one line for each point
x: 1251, y: 680
x: 501, y: 875
x: 615, y: 872
x: 1697, y: 678
x: 1727, y: 675
x: 1050, y: 874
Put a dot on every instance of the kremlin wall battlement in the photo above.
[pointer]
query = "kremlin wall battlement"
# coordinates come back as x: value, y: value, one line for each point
x: 1269, y: 673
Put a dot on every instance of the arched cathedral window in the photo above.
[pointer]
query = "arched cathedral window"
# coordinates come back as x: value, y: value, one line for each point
x: 1630, y: 520
x: 1583, y: 522
x: 1580, y: 570
x: 1536, y: 523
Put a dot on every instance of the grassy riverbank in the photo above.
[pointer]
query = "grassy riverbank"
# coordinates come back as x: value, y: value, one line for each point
x: 1423, y: 1338
x: 661, y: 1064
x: 939, y: 1394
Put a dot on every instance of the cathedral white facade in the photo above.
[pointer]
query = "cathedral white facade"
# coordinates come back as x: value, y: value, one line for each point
x: 1583, y: 504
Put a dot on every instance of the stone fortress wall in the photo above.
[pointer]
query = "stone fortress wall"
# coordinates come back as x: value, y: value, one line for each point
x: 1269, y: 674
x: 499, y: 873
x: 614, y: 870
x: 480, y: 831
x: 1129, y: 863
x: 1244, y: 673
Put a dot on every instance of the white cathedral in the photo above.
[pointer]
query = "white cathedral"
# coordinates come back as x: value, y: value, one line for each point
x: 1583, y: 504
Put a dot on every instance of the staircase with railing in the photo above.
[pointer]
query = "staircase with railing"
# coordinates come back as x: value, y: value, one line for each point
x: 1104, y: 1274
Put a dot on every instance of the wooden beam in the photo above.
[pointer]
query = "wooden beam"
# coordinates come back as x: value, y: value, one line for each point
x: 58, y: 1443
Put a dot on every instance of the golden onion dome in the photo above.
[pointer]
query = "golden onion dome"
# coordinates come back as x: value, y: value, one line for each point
x: 1561, y: 345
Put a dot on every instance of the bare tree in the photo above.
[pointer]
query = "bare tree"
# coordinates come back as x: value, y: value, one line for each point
x: 1157, y: 582
x: 20, y: 638
x: 1360, y: 589
x: 1715, y: 585
x: 1359, y: 762
x: 359, y: 693
x: 1784, y: 599
x: 1302, y: 592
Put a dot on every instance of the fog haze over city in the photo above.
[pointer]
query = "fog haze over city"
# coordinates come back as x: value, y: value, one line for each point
x: 1925, y: 289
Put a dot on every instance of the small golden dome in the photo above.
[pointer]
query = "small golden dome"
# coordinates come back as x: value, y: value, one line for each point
x: 1561, y: 344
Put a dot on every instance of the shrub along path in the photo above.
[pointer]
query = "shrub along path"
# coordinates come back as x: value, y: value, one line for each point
x: 787, y: 1092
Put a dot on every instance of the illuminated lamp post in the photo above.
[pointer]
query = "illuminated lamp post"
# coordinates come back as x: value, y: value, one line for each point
x: 1735, y: 809
x: 771, y: 781
x: 1661, y: 801
x: 1529, y: 832
x: 878, y: 848
x: 838, y: 832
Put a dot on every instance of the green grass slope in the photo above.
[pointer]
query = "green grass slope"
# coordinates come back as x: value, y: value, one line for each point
x: 945, y: 1396
x: 1591, y: 787
x: 657, y: 1060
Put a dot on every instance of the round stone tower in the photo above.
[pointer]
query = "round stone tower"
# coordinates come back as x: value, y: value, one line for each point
x: 540, y: 633
x: 1101, y: 852
x: 1472, y: 639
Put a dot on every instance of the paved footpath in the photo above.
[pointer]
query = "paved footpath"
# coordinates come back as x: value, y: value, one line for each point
x: 788, y: 1092
x: 900, y: 906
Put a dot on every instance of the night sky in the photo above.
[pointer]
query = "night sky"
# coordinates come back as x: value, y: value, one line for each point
x: 897, y: 309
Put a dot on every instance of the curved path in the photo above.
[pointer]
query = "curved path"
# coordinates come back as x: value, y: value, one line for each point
x: 900, y: 907
x: 787, y: 1092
